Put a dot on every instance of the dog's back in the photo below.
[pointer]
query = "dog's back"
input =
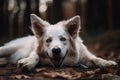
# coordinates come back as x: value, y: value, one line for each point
x: 19, y: 48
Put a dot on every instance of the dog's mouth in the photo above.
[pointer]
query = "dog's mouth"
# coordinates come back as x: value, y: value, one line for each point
x: 57, y: 61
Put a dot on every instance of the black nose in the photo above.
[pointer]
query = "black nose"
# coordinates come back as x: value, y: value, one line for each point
x: 56, y: 51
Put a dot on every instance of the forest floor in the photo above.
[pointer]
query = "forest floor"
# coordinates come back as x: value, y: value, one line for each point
x: 106, y: 47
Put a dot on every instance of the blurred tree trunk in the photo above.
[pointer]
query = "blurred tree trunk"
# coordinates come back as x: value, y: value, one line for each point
x: 12, y: 9
x: 57, y: 11
x: 21, y: 18
x: 69, y: 9
x: 43, y: 9
x: 83, y: 15
x: 110, y: 24
x: 50, y: 12
x: 5, y: 17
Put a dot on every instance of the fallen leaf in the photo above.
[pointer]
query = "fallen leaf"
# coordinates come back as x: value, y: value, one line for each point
x: 40, y: 69
x: 111, y: 69
x: 67, y: 73
x: 92, y: 71
x: 20, y: 77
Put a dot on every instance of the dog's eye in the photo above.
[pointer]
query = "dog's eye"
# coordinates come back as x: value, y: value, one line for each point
x: 48, y: 40
x: 63, y: 39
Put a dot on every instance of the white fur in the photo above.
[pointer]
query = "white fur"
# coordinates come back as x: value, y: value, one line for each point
x: 24, y: 50
x: 56, y: 32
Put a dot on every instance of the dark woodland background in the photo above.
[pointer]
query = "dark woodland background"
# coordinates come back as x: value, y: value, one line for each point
x: 97, y: 16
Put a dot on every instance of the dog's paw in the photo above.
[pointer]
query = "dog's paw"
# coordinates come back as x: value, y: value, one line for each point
x: 108, y: 63
x: 27, y: 63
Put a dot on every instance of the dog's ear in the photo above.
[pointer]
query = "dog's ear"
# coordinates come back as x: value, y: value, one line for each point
x: 73, y: 26
x: 38, y: 25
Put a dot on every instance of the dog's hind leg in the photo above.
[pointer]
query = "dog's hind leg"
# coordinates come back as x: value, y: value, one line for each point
x: 14, y: 45
x: 7, y: 50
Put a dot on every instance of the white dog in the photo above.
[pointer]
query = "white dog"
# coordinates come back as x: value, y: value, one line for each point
x: 57, y: 45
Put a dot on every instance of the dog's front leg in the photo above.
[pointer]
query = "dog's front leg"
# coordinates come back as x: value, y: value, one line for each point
x: 91, y: 60
x: 29, y: 62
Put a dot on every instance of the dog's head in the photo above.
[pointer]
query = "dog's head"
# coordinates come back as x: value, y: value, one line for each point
x: 55, y: 39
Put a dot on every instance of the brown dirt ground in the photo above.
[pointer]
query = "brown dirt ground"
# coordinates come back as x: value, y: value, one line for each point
x: 11, y: 72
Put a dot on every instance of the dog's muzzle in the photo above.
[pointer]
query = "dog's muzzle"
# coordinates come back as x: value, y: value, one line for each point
x: 57, y: 59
